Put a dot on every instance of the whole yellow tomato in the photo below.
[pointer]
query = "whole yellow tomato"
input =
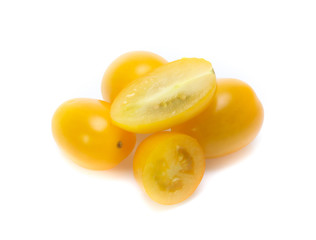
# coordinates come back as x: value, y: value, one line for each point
x: 127, y: 68
x: 232, y: 120
x: 83, y: 130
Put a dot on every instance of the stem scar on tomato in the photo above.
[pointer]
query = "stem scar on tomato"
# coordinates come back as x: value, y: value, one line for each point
x: 119, y: 144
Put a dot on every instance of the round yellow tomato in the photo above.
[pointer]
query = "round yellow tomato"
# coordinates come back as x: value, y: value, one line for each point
x: 165, y: 97
x: 169, y: 166
x: 127, y: 68
x: 83, y: 130
x: 232, y: 120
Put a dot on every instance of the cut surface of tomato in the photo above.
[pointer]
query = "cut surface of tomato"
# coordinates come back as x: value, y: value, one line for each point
x: 167, y: 96
x: 169, y: 166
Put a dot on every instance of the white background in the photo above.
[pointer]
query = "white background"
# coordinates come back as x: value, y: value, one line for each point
x: 52, y: 51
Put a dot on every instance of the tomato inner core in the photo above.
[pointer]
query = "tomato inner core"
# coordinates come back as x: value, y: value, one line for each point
x: 169, y: 171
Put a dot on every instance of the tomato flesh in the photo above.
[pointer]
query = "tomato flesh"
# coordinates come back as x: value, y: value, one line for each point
x: 169, y: 166
x: 167, y: 96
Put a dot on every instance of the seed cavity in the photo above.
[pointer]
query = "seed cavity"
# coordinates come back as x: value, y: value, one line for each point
x: 173, y: 102
x: 185, y: 160
x: 169, y: 184
x: 182, y: 96
x: 166, y: 173
x: 163, y: 104
x: 166, y: 176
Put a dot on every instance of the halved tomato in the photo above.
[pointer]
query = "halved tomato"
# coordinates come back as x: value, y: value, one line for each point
x: 167, y: 96
x: 169, y: 166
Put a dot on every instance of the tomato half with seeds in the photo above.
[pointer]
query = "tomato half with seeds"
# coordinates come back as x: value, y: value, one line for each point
x: 83, y: 129
x: 169, y: 95
x: 127, y: 68
x: 232, y: 120
x: 169, y: 166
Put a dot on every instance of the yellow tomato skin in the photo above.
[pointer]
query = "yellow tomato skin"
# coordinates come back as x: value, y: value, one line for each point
x: 127, y: 68
x: 232, y: 120
x: 183, y: 161
x: 82, y: 128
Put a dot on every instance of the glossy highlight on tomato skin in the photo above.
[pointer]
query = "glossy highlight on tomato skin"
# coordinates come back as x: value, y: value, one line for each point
x: 127, y: 68
x: 83, y: 130
x: 169, y: 167
x: 231, y: 122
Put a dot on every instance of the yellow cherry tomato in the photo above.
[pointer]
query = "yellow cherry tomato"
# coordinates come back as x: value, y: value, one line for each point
x: 169, y: 166
x: 167, y: 96
x: 83, y: 130
x: 127, y: 68
x: 232, y: 120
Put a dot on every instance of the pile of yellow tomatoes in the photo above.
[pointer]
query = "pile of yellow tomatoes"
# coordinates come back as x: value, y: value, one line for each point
x: 192, y: 117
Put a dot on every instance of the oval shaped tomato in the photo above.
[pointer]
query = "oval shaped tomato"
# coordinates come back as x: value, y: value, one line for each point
x: 167, y: 96
x: 83, y: 130
x: 125, y: 69
x: 169, y: 166
x: 232, y: 120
